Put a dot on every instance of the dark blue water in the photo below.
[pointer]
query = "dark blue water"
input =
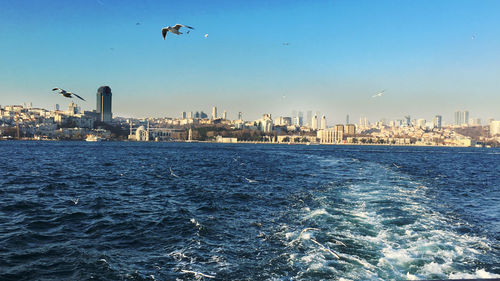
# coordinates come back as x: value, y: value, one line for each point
x: 149, y: 211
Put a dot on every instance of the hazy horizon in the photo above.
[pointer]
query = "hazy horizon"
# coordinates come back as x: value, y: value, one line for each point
x: 430, y: 57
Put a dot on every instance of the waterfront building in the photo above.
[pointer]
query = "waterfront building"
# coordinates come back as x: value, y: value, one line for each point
x: 339, y: 128
x: 184, y: 115
x: 224, y: 115
x: 323, y: 122
x: 330, y: 136
x: 104, y: 104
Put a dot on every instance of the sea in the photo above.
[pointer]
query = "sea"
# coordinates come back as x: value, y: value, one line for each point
x: 207, y: 211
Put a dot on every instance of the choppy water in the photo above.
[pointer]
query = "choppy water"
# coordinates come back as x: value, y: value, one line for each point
x: 238, y: 212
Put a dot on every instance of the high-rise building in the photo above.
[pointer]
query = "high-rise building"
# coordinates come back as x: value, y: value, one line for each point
x: 347, y: 119
x: 301, y: 118
x: 407, y: 120
x: 203, y: 115
x: 56, y: 107
x: 495, y: 128
x: 309, y: 118
x: 240, y: 115
x: 314, y: 122
x: 214, y: 112
x: 184, y: 115
x: 421, y: 123
x: 323, y: 123
x: 73, y: 108
x: 104, y: 104
x: 461, y: 117
x: 224, y: 115
x: 350, y: 129
x: 438, y: 119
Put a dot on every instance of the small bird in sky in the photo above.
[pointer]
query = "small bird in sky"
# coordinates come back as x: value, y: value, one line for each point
x: 379, y: 94
x: 206, y: 35
x: 174, y: 29
x: 67, y: 94
x: 286, y: 44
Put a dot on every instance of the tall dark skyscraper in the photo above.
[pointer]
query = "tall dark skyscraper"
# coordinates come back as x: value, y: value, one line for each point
x: 104, y: 104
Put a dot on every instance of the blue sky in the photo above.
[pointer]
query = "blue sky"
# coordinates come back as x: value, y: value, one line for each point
x: 431, y: 57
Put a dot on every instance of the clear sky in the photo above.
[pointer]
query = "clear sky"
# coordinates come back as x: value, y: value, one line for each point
x: 432, y: 57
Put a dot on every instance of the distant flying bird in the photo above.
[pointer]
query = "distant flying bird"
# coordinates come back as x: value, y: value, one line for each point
x: 286, y: 44
x: 172, y: 173
x: 174, y: 29
x: 206, y: 35
x: 379, y: 94
x: 67, y: 94
x: 250, y: 181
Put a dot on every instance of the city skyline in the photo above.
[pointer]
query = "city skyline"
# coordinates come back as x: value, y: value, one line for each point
x: 338, y: 55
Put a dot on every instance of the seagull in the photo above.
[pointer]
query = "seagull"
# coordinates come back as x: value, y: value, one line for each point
x: 250, y: 181
x: 172, y: 173
x: 66, y: 93
x: 75, y: 200
x: 325, y: 249
x: 395, y: 165
x: 378, y: 94
x: 103, y: 260
x: 197, y: 273
x: 174, y: 29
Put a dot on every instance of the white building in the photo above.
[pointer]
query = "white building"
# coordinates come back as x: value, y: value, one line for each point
x: 495, y: 128
x: 330, y: 136
x: 314, y: 122
x: 214, y: 112
x: 323, y: 123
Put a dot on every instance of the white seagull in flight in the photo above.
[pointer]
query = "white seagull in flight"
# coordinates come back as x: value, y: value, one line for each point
x: 174, y: 29
x: 66, y: 93
x: 379, y: 94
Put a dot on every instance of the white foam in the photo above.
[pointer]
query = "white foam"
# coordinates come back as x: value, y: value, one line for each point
x: 480, y: 273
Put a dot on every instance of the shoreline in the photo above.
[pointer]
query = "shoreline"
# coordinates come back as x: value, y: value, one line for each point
x: 257, y: 142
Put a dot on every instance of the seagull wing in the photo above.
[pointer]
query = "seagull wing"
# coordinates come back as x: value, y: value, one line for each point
x: 177, y: 26
x: 56, y: 89
x: 78, y: 96
x: 164, y: 32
